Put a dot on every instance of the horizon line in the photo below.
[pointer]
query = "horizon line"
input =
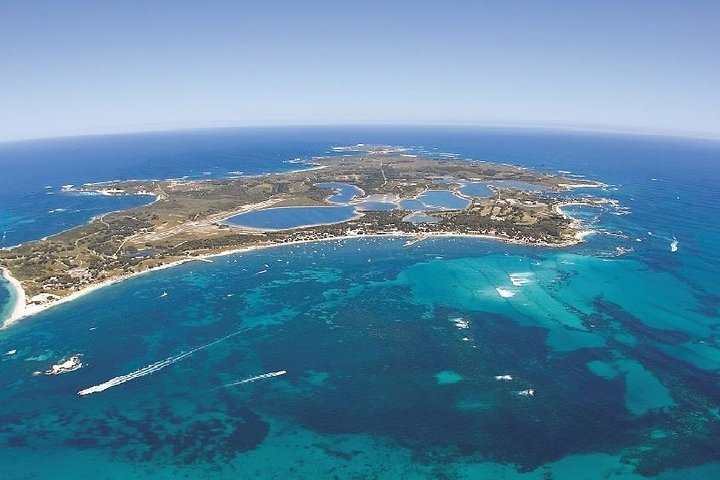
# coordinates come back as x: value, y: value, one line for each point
x: 579, y: 128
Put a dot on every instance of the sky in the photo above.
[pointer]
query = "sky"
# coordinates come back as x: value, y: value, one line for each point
x: 81, y: 67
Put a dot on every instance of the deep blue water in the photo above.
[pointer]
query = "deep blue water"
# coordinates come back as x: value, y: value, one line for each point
x: 391, y: 351
x: 27, y: 167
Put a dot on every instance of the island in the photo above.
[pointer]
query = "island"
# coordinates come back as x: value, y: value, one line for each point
x: 192, y: 219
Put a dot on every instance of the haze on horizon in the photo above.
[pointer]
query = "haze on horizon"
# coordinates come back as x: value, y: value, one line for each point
x: 96, y: 67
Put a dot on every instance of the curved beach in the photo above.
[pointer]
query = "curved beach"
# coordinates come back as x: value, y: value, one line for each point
x: 22, y: 309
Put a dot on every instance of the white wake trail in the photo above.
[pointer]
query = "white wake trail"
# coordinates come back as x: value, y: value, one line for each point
x: 257, y: 377
x: 152, y: 368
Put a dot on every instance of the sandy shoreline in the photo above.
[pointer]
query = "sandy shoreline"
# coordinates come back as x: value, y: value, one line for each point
x: 22, y: 310
x: 20, y: 300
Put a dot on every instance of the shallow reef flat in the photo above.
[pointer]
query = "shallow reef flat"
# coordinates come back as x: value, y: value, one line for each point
x: 436, y: 383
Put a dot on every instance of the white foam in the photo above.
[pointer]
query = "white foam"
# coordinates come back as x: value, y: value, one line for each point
x: 506, y: 378
x: 152, y: 368
x: 256, y: 378
x: 505, y: 293
x: 461, y: 323
x: 521, y: 278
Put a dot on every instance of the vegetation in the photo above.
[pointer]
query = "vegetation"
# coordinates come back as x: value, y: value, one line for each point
x: 187, y: 217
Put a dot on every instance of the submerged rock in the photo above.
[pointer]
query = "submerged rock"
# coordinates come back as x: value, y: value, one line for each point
x: 70, y: 365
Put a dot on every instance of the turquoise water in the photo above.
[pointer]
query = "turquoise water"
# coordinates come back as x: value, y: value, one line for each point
x: 391, y: 352
x: 292, y: 217
x: 381, y: 378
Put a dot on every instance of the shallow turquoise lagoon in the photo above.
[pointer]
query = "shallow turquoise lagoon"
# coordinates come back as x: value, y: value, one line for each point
x: 391, y: 354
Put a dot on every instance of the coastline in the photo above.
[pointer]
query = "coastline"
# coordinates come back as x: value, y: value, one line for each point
x: 577, y: 223
x: 18, y: 309
x: 22, y: 310
x: 159, y: 224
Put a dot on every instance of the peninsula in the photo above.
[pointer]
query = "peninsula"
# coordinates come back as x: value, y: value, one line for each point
x: 188, y: 219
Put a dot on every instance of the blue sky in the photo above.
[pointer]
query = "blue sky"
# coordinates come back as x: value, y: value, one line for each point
x: 74, y: 67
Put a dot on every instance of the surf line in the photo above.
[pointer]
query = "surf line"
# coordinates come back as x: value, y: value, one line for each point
x: 255, y: 378
x: 152, y: 368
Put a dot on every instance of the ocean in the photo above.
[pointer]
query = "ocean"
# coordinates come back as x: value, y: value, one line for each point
x: 369, y: 358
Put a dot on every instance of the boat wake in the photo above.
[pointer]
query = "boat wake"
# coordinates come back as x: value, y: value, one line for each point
x: 256, y: 378
x: 152, y: 368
